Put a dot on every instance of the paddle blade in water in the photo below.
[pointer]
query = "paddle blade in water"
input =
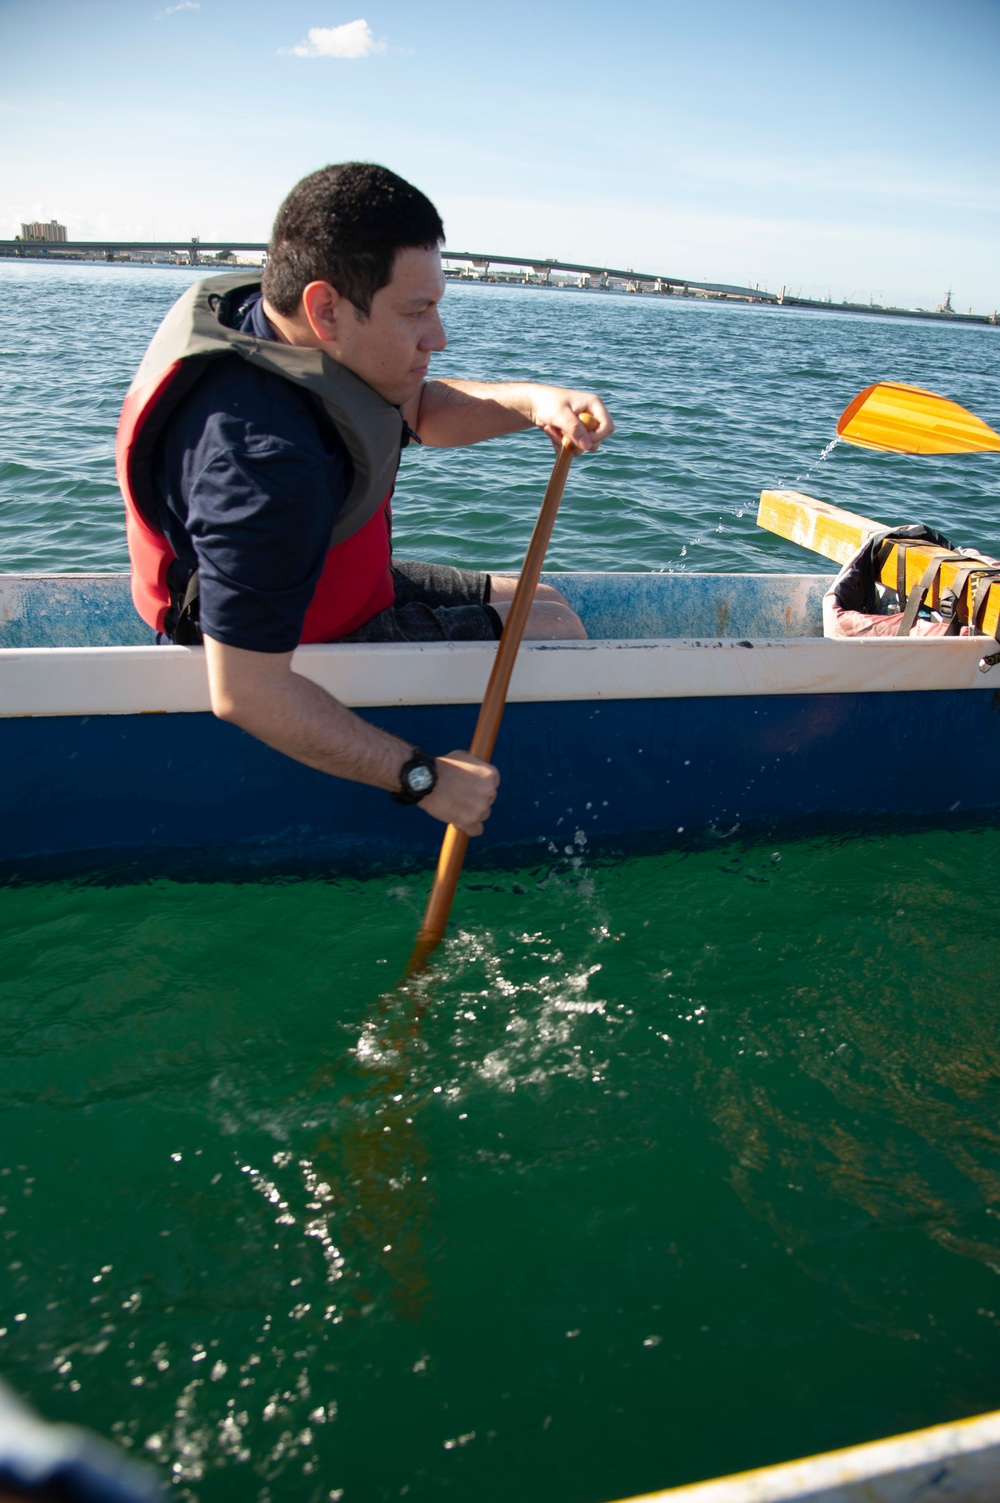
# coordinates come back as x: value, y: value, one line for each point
x: 907, y: 420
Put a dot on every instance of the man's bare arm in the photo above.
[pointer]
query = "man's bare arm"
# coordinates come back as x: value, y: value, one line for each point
x: 260, y: 692
x: 447, y: 413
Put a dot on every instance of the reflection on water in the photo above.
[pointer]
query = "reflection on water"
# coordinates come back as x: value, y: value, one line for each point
x: 651, y: 1137
x: 376, y: 1160
x: 857, y: 1086
x: 880, y: 1093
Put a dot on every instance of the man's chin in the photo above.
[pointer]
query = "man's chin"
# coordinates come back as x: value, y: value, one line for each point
x: 405, y: 391
x: 398, y: 393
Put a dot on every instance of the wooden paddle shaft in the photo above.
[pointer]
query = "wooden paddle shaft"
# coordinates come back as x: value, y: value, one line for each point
x: 455, y: 842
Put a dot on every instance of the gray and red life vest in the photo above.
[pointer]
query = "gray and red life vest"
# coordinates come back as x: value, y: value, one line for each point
x: 356, y: 582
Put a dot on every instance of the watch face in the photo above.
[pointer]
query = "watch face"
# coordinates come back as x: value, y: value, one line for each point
x: 420, y: 780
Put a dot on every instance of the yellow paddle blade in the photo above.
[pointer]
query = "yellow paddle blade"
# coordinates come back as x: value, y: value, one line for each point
x: 908, y: 420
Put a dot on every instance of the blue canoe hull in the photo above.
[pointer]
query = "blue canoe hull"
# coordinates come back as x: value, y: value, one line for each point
x: 575, y: 775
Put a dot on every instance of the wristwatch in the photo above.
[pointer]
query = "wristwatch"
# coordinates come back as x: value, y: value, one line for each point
x: 417, y: 778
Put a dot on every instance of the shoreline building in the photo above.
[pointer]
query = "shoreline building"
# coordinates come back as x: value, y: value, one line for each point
x: 53, y: 231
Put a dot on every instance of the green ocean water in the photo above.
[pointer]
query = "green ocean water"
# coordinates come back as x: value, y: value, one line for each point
x: 674, y: 1165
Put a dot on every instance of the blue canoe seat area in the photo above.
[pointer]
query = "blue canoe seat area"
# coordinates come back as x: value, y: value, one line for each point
x: 69, y: 610
x: 96, y: 610
x: 638, y: 607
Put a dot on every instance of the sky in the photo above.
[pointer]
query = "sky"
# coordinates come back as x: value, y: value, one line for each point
x: 840, y: 149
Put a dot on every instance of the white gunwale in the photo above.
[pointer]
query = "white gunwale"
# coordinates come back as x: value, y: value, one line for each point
x: 151, y: 680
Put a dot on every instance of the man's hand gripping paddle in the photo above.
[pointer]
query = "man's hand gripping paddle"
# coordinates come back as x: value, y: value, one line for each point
x: 455, y: 842
x: 908, y: 420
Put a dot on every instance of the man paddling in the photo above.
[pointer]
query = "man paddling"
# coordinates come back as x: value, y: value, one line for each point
x: 258, y: 488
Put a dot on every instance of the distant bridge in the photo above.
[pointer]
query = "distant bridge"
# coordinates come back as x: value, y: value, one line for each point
x: 196, y: 251
x: 657, y: 279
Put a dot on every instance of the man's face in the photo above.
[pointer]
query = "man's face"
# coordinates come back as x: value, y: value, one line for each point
x: 391, y: 349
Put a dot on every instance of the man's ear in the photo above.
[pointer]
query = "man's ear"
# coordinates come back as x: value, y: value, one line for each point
x: 324, y: 309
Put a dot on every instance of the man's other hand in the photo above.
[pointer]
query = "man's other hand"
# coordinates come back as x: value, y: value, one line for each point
x: 557, y: 412
x: 466, y: 788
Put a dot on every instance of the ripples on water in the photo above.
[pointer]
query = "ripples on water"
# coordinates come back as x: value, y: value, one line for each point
x: 712, y: 403
x: 676, y: 1165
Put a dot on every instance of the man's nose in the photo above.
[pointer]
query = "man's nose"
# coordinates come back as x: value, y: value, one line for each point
x: 434, y: 337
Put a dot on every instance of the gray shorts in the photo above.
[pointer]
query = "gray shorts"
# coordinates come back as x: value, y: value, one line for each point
x: 434, y: 603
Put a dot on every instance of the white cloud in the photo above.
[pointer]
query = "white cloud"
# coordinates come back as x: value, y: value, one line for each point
x: 353, y: 39
x: 173, y: 9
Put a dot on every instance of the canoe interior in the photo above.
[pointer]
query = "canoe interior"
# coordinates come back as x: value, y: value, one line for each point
x: 95, y: 610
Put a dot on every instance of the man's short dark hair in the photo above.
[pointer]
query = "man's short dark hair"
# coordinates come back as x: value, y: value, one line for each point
x: 344, y: 225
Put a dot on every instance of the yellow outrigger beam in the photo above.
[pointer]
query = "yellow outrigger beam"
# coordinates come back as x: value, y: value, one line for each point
x: 838, y: 534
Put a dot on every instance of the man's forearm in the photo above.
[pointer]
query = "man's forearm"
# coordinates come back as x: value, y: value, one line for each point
x: 453, y: 413
x: 260, y: 693
x: 450, y: 413
x: 297, y: 717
